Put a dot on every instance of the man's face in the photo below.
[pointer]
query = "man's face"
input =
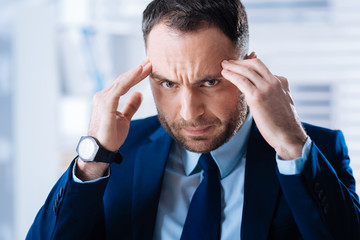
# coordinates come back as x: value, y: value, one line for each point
x: 196, y: 105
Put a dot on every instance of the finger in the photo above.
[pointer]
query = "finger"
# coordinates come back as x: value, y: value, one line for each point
x: 135, y: 71
x: 284, y: 82
x: 132, y: 105
x: 285, y: 85
x: 258, y: 66
x: 126, y: 81
x: 143, y: 63
x: 243, y: 83
x: 253, y: 76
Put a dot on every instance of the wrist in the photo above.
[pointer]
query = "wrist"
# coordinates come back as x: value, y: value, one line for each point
x: 289, y: 153
x: 293, y: 150
x: 108, y: 145
x: 87, y: 171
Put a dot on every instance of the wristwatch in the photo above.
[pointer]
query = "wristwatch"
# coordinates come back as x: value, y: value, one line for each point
x: 90, y: 150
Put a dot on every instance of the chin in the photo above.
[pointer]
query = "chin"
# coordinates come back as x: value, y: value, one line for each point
x: 198, y: 148
x: 199, y: 144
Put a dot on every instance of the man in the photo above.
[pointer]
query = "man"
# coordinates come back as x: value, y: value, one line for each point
x: 275, y: 178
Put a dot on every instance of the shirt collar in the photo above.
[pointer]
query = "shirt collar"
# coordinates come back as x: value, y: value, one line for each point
x: 226, y: 156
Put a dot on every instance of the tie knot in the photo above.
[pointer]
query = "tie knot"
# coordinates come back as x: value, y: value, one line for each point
x: 207, y: 163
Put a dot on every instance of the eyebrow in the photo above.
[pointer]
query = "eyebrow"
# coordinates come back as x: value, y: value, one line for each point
x: 205, y: 79
x: 158, y: 76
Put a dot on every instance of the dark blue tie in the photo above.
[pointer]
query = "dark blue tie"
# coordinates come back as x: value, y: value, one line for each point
x: 204, y: 214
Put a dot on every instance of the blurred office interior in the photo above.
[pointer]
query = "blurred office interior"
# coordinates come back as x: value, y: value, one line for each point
x: 55, y: 54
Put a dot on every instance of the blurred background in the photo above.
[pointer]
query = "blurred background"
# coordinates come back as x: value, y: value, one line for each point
x: 55, y: 54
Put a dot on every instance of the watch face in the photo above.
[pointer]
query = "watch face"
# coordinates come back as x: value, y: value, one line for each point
x: 86, y: 149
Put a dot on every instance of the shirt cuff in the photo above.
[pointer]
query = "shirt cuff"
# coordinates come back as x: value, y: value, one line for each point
x: 295, y: 166
x: 77, y: 180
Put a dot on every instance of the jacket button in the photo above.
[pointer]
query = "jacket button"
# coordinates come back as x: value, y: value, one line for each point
x: 55, y: 209
x: 56, y: 202
x: 321, y: 194
x: 326, y: 208
x: 61, y: 191
x: 58, y: 196
x: 323, y: 201
x: 317, y: 188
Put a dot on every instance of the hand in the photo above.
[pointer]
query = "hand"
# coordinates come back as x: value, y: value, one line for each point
x: 269, y: 100
x: 109, y: 126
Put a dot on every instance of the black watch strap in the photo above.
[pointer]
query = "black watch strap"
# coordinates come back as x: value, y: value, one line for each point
x: 106, y: 156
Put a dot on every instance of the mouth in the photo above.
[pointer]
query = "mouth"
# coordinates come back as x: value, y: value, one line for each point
x: 197, y: 131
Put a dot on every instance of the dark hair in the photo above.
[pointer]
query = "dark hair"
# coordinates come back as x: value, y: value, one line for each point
x: 191, y: 15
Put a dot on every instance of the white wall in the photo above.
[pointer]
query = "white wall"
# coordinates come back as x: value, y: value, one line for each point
x: 35, y: 111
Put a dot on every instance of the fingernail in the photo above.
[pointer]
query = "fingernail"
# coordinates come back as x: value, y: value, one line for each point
x: 147, y: 64
x: 224, y: 61
x: 146, y: 61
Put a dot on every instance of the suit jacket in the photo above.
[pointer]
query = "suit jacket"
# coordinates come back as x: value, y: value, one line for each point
x: 319, y: 203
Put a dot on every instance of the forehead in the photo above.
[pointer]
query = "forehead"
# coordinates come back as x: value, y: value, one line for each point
x: 201, y: 50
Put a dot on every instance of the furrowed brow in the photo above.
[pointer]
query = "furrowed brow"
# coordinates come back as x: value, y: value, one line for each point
x: 158, y: 77
x: 209, y: 77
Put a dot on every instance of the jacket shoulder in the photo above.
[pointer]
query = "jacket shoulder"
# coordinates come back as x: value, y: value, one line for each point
x: 329, y: 141
x: 321, y: 134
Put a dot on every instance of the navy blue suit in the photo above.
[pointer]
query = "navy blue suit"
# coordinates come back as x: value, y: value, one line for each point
x: 319, y: 203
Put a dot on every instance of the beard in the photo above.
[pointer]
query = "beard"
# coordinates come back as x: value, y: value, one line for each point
x: 225, y: 130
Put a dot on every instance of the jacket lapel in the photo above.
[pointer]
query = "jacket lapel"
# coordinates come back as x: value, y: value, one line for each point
x: 148, y: 173
x: 261, y: 188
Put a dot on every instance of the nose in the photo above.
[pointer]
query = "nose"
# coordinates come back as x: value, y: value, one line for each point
x: 191, y: 105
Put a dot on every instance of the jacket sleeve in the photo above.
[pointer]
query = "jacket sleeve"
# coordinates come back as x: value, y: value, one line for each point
x: 322, y: 198
x: 71, y: 211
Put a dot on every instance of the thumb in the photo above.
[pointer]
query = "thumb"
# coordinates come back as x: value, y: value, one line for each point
x: 132, y: 105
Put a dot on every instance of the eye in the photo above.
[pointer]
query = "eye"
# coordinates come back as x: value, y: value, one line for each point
x: 211, y: 83
x: 167, y: 84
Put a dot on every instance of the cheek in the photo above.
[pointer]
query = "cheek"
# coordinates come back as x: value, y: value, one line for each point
x: 224, y: 103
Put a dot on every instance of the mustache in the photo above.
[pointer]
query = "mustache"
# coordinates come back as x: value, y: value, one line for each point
x: 200, y: 122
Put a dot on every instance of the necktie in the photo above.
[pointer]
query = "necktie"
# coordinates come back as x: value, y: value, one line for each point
x: 204, y: 214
